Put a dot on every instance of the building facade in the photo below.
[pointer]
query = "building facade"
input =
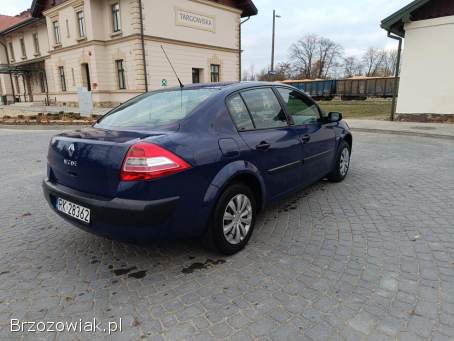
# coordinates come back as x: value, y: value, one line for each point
x: 426, y: 90
x: 113, y: 48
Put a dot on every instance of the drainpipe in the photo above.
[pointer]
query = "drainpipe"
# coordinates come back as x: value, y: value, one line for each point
x: 397, y: 72
x: 239, y: 51
x: 142, y: 39
x: 10, y: 75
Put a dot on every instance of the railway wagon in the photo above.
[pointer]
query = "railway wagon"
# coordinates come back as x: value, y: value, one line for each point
x: 356, y: 88
x: 365, y: 87
x: 316, y: 88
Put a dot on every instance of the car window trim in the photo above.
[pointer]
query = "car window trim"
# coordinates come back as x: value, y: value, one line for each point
x: 283, y: 105
x: 320, y: 116
x: 248, y: 110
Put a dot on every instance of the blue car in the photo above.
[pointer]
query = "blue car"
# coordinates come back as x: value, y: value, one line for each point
x: 202, y: 160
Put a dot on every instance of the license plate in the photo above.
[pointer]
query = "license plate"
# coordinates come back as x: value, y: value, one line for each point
x: 73, y: 210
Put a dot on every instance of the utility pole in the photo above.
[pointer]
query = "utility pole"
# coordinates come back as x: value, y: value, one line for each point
x: 272, y: 43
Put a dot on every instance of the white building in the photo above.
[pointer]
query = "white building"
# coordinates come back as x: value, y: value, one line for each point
x: 426, y: 91
x: 113, y: 47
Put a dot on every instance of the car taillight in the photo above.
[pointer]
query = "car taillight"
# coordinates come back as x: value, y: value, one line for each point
x: 146, y: 161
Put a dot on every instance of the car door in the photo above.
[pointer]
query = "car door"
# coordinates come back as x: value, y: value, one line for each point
x: 318, y: 138
x: 274, y: 146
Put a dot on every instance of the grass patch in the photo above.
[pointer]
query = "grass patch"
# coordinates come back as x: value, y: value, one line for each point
x: 368, y: 110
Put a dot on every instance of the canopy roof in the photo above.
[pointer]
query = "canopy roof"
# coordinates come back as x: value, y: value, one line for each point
x: 35, y: 67
x: 417, y: 10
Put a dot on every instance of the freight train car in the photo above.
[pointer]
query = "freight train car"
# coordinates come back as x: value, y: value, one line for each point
x: 365, y: 87
x: 356, y: 88
x: 316, y: 88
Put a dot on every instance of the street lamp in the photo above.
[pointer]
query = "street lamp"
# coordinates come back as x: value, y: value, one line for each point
x: 272, y: 44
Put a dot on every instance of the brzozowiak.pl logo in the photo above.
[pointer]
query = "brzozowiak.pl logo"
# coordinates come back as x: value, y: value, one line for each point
x: 79, y: 326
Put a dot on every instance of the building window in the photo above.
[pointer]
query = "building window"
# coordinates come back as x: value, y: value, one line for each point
x: 120, y: 74
x: 56, y: 27
x: 215, y: 73
x: 61, y: 73
x: 11, y: 52
x: 22, y: 48
x: 67, y: 28
x: 42, y: 82
x: 195, y: 76
x: 116, y: 17
x: 36, y: 43
x: 81, y: 24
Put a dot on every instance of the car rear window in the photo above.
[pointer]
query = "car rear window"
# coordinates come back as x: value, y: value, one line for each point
x: 156, y: 109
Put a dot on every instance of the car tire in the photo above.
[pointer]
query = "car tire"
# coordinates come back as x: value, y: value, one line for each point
x: 235, y: 213
x: 342, y: 163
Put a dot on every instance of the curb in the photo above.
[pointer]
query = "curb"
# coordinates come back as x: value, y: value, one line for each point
x: 404, y: 133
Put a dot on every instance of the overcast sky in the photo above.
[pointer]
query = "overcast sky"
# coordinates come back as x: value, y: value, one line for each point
x: 355, y: 24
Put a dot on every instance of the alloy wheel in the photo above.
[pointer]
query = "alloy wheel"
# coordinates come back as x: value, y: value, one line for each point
x: 344, y: 161
x: 237, y: 219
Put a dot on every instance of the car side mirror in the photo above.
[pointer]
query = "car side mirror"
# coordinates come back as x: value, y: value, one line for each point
x: 334, y: 117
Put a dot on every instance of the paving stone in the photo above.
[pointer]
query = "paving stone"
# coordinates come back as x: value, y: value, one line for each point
x: 363, y: 322
x: 344, y: 264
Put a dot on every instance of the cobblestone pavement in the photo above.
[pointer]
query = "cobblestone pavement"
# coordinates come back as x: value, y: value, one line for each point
x: 371, y: 258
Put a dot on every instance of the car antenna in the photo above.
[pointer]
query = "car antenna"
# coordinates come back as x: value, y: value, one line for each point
x: 176, y: 75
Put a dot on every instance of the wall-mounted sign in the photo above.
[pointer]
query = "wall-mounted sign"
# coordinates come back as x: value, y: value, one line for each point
x: 195, y: 20
x: 164, y: 82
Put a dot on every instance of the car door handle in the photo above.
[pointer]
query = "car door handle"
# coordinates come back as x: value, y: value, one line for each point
x: 305, y: 138
x: 263, y: 146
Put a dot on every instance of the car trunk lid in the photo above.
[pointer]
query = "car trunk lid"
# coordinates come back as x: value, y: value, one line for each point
x: 90, y: 160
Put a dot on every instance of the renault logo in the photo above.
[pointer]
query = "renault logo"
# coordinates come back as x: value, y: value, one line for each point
x: 71, y: 150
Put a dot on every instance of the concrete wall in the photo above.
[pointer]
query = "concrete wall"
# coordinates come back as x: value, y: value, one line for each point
x: 427, y: 77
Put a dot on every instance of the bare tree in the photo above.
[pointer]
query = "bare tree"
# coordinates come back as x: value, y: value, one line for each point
x: 303, y: 54
x: 282, y: 71
x: 249, y: 75
x: 373, y: 61
x: 264, y: 75
x: 389, y: 63
x: 315, y: 56
x: 352, y: 67
x: 328, y: 54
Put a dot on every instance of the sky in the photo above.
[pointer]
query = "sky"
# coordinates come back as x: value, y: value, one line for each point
x: 355, y: 24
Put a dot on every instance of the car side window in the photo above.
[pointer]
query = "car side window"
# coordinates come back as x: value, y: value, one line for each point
x: 239, y: 113
x: 265, y: 108
x: 302, y: 110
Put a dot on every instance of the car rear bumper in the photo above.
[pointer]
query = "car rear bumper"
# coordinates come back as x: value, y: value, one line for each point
x: 110, y: 214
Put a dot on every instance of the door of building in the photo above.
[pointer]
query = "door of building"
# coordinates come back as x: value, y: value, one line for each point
x: 86, y: 76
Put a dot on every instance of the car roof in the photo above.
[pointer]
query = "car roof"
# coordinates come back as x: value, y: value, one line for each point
x: 233, y: 86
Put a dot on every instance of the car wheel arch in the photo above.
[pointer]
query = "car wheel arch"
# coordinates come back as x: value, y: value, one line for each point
x: 237, y: 172
x: 349, y: 139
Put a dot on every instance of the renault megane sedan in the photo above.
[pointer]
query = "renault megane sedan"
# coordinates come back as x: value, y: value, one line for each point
x: 202, y: 160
